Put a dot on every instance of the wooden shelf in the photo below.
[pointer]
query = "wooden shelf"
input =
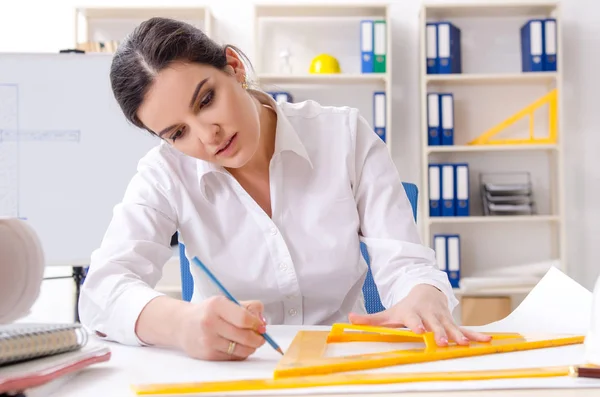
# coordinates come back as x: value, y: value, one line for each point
x: 521, y: 290
x: 366, y: 9
x: 142, y: 12
x: 340, y: 78
x: 492, y: 78
x: 317, y: 19
x: 490, y: 148
x: 493, y: 219
x: 504, y: 9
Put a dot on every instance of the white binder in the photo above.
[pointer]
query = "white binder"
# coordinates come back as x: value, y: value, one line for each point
x: 431, y: 44
x: 448, y: 190
x: 434, y: 190
x: 439, y: 246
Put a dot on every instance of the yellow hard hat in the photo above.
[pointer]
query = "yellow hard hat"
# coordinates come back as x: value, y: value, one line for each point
x: 325, y: 63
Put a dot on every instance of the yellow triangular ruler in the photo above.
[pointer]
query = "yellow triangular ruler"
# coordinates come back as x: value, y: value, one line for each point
x: 305, y: 356
x: 550, y: 99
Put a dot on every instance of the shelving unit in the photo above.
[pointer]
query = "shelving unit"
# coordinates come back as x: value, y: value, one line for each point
x: 100, y: 29
x: 307, y: 30
x: 490, y: 88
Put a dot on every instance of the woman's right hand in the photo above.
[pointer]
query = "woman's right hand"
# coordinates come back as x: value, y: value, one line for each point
x: 208, y: 328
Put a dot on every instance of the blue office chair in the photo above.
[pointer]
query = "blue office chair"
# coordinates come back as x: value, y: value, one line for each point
x: 372, y: 300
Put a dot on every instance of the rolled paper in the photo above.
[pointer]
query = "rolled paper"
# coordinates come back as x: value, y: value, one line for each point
x: 21, y: 268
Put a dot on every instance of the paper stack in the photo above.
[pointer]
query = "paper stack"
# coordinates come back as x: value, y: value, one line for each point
x: 519, y: 277
x: 34, y: 356
x: 507, y: 194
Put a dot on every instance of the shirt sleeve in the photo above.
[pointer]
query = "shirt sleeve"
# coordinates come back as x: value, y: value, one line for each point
x: 128, y: 264
x: 398, y: 259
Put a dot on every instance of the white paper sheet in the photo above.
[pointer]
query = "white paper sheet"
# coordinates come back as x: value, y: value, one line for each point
x: 556, y: 305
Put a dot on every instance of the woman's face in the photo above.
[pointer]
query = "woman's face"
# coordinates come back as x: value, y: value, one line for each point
x: 204, y: 113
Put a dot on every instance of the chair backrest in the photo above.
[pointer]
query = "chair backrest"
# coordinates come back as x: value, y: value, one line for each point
x: 372, y: 300
x: 187, y: 281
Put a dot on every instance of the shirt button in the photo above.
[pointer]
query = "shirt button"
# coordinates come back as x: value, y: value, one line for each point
x: 292, y: 312
x: 282, y: 266
x: 273, y: 231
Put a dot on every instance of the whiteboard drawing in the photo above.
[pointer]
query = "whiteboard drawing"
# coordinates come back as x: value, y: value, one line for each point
x: 11, y: 138
x: 8, y: 106
x: 39, y: 135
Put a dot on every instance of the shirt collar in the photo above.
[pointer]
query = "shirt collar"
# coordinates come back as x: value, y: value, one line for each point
x: 286, y: 137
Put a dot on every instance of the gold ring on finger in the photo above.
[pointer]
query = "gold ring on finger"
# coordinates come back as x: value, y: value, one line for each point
x: 231, y: 348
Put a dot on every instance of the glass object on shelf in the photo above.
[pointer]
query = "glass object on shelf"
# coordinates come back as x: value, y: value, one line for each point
x: 285, y: 66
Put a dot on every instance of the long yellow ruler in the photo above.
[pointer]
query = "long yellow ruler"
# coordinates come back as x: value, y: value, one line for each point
x: 304, y: 364
x: 345, y: 379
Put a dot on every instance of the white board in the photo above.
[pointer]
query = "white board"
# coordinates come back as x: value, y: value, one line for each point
x: 67, y: 152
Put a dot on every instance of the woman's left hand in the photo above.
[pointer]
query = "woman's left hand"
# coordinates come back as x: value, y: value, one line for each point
x: 425, y: 308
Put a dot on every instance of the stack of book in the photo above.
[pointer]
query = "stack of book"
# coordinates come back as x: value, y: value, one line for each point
x: 508, y: 197
x: 34, y: 357
x: 39, y: 358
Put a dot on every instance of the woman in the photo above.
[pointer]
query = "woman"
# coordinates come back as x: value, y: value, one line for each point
x: 275, y: 199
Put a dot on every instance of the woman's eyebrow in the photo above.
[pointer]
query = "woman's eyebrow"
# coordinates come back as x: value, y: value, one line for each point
x: 197, y: 91
x: 194, y: 97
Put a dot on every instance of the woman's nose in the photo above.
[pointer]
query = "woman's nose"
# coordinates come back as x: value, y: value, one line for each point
x: 208, y: 134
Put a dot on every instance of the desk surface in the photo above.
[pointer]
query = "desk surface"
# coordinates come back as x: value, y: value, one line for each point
x: 130, y: 365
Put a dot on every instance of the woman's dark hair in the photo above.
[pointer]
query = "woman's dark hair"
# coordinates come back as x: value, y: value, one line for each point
x: 150, y: 48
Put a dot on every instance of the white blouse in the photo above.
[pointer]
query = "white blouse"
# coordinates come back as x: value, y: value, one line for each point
x: 333, y: 185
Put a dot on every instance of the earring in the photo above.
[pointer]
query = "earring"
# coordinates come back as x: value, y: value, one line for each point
x: 244, y: 85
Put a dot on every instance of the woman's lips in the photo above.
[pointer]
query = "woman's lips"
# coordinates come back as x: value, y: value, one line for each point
x: 227, y: 148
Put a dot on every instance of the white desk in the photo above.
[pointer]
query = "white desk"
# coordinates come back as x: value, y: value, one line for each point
x: 130, y: 365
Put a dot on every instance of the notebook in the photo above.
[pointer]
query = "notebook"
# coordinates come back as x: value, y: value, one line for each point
x: 22, y: 341
x: 44, y: 376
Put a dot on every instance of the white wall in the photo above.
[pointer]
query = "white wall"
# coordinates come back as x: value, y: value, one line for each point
x: 34, y: 26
